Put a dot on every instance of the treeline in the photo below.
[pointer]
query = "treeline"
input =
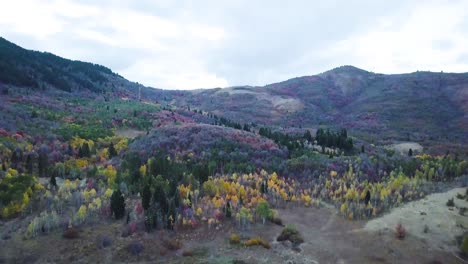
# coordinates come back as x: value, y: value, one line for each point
x: 332, y: 139
x: 292, y: 142
x: 35, y: 69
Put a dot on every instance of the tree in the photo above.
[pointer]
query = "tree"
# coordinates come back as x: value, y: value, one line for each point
x: 53, y: 181
x: 263, y: 210
x: 43, y: 164
x: 362, y: 149
x: 112, y: 151
x: 84, y: 151
x: 410, y: 152
x: 146, y: 197
x: 228, y: 210
x: 118, y: 204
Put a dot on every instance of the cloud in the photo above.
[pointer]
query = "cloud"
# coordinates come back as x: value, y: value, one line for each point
x: 185, y: 44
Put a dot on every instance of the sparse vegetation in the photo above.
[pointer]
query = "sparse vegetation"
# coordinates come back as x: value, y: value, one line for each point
x: 450, y: 203
x: 257, y: 241
x: 400, y: 231
x: 290, y: 233
x: 234, y: 239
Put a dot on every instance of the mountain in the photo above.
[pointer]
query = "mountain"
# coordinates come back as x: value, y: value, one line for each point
x: 415, y: 106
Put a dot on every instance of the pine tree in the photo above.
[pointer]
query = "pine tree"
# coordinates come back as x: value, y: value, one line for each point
x: 410, y: 152
x: 112, y: 151
x: 43, y: 164
x: 118, y: 204
x: 146, y: 197
x: 53, y: 181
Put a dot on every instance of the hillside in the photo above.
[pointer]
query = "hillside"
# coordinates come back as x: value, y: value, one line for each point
x: 90, y: 172
x: 420, y: 106
x: 400, y: 106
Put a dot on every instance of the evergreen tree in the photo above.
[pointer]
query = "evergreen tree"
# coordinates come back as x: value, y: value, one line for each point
x: 53, y: 181
x: 410, y: 152
x: 29, y: 163
x: 146, y: 197
x: 112, y: 151
x: 43, y: 164
x: 118, y: 204
x: 362, y: 149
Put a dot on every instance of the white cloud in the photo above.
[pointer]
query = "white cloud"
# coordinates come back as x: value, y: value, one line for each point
x: 182, y: 44
x: 406, y: 44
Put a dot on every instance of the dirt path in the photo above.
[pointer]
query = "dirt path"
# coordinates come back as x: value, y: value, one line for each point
x: 332, y: 239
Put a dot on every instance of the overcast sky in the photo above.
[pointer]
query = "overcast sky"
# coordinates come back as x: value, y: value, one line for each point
x: 216, y: 43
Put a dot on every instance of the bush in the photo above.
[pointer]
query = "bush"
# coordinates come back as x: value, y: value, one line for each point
x: 135, y: 247
x: 71, y: 233
x: 234, y: 239
x: 104, y: 241
x: 290, y: 233
x: 195, y: 252
x: 464, y: 247
x: 276, y: 221
x: 450, y: 203
x: 172, y: 244
x: 257, y: 241
x: 400, y: 231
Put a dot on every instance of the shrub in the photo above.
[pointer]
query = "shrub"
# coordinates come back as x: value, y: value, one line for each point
x: 135, y: 247
x: 462, y: 211
x: 71, y: 233
x: 172, y: 244
x: 400, y: 231
x: 234, y: 239
x: 450, y: 203
x: 290, y: 233
x: 104, y: 241
x: 257, y: 241
x: 276, y: 221
x: 195, y: 252
x: 460, y: 196
x: 464, y: 247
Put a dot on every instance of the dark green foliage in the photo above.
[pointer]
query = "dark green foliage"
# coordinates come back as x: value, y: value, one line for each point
x: 12, y: 189
x: 464, y: 246
x: 410, y: 152
x: 450, y: 203
x: 37, y: 70
x: 290, y: 233
x: 91, y: 131
x: 84, y: 151
x: 117, y: 204
x: 34, y: 114
x: 146, y: 196
x: 53, y: 181
x: 112, y: 151
x: 334, y: 139
x: 228, y: 210
x: 43, y: 164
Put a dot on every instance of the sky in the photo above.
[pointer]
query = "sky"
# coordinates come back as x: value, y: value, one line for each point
x: 220, y: 43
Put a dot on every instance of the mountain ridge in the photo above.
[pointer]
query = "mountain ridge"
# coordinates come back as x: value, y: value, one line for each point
x: 400, y: 106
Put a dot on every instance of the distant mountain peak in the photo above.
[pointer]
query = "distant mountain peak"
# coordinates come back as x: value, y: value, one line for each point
x: 349, y: 69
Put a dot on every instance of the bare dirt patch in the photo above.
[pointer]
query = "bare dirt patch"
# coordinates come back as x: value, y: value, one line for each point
x: 403, y: 148
x: 429, y: 219
x: 129, y: 133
